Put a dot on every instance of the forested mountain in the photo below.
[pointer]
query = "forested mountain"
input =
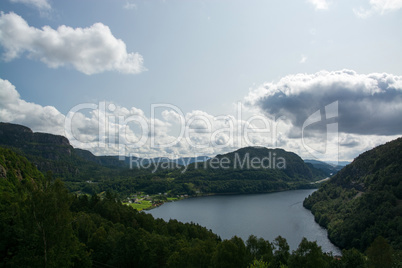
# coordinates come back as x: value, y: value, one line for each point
x: 363, y: 200
x: 43, y: 225
x: 247, y: 170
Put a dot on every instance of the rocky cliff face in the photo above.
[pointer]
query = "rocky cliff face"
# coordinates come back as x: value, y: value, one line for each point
x: 12, y: 134
x: 48, y: 152
x: 54, y: 153
x: 47, y: 145
x: 50, y: 139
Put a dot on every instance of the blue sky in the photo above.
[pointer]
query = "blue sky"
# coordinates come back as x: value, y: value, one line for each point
x: 204, y: 58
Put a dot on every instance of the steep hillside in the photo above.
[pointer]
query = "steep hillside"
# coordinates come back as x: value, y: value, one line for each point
x: 15, y: 171
x: 363, y: 200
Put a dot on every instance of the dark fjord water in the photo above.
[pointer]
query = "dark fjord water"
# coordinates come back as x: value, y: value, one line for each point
x: 263, y: 215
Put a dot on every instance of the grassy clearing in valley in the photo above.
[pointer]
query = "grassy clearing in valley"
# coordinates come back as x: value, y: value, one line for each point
x: 144, y: 205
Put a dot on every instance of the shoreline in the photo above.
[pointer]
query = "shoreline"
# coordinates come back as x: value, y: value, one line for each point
x: 224, y: 194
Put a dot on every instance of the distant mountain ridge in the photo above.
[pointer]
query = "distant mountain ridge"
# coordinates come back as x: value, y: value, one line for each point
x: 338, y: 163
x: 328, y: 168
x: 115, y: 161
x: 279, y: 169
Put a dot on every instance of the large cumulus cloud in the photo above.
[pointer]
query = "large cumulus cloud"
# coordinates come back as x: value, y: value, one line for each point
x: 89, y: 50
x: 14, y: 109
x: 369, y: 104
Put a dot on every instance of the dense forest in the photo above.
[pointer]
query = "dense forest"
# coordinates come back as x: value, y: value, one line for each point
x: 64, y: 222
x: 43, y: 225
x: 364, y: 200
x: 83, y: 172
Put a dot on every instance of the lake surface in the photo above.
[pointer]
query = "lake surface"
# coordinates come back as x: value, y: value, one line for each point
x: 263, y: 215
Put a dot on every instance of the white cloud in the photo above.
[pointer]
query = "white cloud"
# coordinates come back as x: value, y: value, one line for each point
x: 378, y: 7
x: 89, y: 50
x: 14, y: 109
x: 39, y: 4
x: 98, y: 126
x: 368, y: 104
x: 319, y: 4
